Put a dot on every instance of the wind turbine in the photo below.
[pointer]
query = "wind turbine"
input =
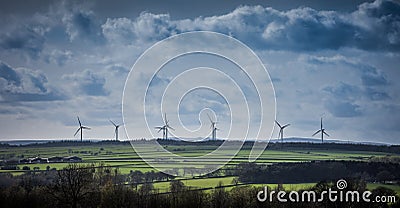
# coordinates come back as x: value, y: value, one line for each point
x: 213, y: 128
x: 165, y: 127
x: 281, y: 129
x: 81, y: 128
x: 116, y: 129
x: 322, y: 131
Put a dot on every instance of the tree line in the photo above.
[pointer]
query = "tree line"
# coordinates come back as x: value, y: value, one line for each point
x: 304, y: 172
x: 246, y: 145
x: 80, y: 185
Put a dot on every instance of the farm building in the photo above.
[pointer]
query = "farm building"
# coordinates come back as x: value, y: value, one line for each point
x: 54, y: 159
x: 72, y: 159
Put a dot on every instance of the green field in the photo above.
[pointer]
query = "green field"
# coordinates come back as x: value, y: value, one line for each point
x: 226, y: 181
x: 197, y: 183
x: 123, y: 157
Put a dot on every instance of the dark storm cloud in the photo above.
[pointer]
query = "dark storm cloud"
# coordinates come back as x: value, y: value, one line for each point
x: 376, y: 95
x: 370, y: 76
x: 94, y: 85
x: 344, y: 91
x: 342, y: 98
x: 347, y: 100
x: 9, y: 74
x: 308, y: 29
x: 88, y: 82
x: 347, y: 92
x: 25, y: 39
x: 301, y: 29
x: 374, y: 84
x: 373, y: 79
x: 342, y: 108
x: 25, y: 85
x: 82, y: 24
x: 62, y: 23
x: 179, y: 9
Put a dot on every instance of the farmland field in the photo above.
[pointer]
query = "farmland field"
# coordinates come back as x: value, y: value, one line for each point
x: 122, y: 156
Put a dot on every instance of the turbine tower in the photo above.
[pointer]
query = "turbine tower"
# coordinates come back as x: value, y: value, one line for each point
x: 281, y: 128
x: 214, y: 129
x: 81, y: 128
x: 322, y: 131
x: 116, y: 129
x: 164, y: 128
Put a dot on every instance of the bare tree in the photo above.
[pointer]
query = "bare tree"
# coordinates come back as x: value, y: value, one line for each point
x: 74, y: 184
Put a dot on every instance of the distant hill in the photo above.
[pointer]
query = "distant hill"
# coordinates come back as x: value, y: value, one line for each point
x: 316, y: 140
x: 43, y: 141
x: 25, y: 141
x: 285, y: 140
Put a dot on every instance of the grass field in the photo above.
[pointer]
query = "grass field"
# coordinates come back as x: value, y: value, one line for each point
x: 197, y: 183
x: 226, y: 181
x: 123, y: 157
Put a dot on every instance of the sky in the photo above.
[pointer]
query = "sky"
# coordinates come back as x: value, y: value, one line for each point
x: 338, y: 60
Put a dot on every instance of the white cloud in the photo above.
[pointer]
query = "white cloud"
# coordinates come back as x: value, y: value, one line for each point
x: 338, y: 63
x: 23, y: 84
x: 59, y: 57
x: 87, y: 82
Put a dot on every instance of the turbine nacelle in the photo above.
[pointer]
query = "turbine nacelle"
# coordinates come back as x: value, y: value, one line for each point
x: 322, y: 131
x: 81, y: 127
x: 213, y: 127
x: 281, y: 128
x: 165, y: 127
x: 116, y: 128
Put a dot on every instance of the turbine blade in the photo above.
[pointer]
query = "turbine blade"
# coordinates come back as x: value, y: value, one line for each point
x: 170, y: 127
x: 316, y: 132
x: 165, y: 118
x: 159, y: 129
x: 85, y: 127
x: 77, y: 131
x: 112, y: 122
x: 278, y: 124
x: 321, y: 122
x: 285, y: 126
x: 80, y: 124
x: 209, y: 117
x: 326, y: 134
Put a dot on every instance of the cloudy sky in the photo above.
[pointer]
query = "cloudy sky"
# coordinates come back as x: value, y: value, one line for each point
x: 336, y: 59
